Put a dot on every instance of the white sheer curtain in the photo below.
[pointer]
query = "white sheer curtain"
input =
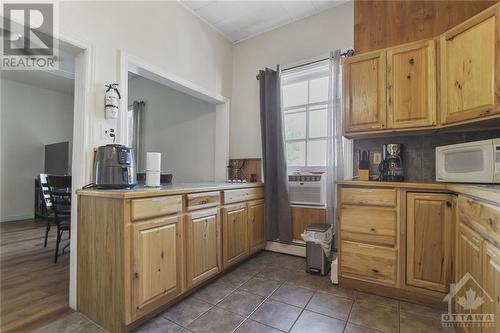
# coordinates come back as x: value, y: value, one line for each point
x: 339, y: 149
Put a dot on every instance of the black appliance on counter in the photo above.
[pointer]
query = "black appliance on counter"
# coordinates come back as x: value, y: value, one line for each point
x: 391, y: 168
x: 114, y: 167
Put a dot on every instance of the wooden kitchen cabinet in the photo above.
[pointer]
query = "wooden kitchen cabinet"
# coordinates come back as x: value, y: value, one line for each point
x: 469, y: 259
x: 429, y: 240
x: 470, y: 69
x: 256, y: 226
x: 158, y: 264
x: 234, y: 233
x: 203, y: 251
x: 364, y: 80
x: 411, y: 85
x: 491, y: 284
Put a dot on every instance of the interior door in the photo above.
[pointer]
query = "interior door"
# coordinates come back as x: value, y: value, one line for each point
x: 235, y: 234
x: 411, y: 84
x: 469, y: 69
x: 365, y: 92
x: 157, y: 262
x: 203, y: 245
x: 256, y: 226
x: 429, y: 240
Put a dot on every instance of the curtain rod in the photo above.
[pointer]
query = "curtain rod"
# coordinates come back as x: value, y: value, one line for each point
x: 348, y: 53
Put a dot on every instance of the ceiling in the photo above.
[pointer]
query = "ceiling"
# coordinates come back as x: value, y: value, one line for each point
x: 239, y: 20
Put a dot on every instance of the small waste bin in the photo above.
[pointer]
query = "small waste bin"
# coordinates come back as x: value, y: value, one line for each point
x: 318, y: 239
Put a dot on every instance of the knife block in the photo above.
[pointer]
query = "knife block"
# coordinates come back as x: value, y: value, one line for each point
x: 364, y: 174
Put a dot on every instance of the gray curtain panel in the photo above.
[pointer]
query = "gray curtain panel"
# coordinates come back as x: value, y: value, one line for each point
x: 277, y: 206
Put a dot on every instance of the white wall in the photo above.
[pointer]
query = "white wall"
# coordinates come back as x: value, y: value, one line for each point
x: 31, y: 118
x: 305, y: 39
x: 162, y: 33
x: 179, y: 126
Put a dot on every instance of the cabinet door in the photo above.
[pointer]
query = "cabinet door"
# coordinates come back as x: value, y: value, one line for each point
x: 365, y: 92
x: 256, y: 226
x: 157, y: 261
x: 429, y: 240
x: 469, y: 69
x: 411, y: 84
x: 469, y: 253
x: 202, y: 246
x: 491, y: 284
x: 234, y: 234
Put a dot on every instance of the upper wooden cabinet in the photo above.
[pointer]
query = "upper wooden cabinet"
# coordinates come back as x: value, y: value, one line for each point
x: 470, y: 69
x: 411, y: 85
x: 364, y: 92
x: 157, y: 262
x: 203, y: 250
x: 430, y: 217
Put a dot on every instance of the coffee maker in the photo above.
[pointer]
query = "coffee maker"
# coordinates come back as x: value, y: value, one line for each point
x: 391, y: 167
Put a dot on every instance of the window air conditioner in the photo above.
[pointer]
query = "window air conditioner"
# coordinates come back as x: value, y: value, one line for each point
x: 307, y: 189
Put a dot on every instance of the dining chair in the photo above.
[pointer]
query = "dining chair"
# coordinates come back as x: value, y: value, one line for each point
x: 60, y: 196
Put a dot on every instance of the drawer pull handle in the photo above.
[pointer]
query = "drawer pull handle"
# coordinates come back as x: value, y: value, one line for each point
x: 375, y: 270
x: 372, y: 229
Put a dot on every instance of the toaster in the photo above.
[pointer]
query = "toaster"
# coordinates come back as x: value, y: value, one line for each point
x: 114, y: 167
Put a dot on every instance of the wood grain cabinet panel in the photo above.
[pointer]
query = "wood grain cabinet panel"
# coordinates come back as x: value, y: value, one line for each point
x: 157, y: 262
x: 470, y: 73
x: 469, y: 254
x: 234, y: 234
x: 302, y: 217
x: 154, y: 207
x: 429, y: 240
x: 256, y: 226
x: 358, y: 224
x: 368, y: 196
x: 368, y: 262
x: 491, y: 284
x: 203, y: 250
x: 365, y: 92
x: 203, y: 200
x: 411, y: 85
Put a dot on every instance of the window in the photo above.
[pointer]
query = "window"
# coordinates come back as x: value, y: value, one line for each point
x: 305, y: 115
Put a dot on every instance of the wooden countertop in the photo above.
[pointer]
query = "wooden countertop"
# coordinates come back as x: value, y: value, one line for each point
x: 488, y: 192
x: 140, y: 191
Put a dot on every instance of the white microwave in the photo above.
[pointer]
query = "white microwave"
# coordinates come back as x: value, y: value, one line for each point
x: 471, y: 162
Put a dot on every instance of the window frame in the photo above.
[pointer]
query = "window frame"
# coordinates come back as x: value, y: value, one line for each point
x: 306, y: 108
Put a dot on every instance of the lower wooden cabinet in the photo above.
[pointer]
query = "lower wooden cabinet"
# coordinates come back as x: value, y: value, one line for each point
x: 158, y: 264
x: 429, y: 239
x: 203, y: 252
x: 256, y: 226
x: 234, y: 233
x: 491, y: 284
x: 369, y: 262
x: 469, y: 258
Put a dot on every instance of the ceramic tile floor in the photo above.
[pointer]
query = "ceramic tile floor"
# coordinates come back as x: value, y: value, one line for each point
x: 272, y: 293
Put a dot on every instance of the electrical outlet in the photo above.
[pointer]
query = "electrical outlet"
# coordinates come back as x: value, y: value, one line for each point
x: 377, y: 158
x: 107, y: 132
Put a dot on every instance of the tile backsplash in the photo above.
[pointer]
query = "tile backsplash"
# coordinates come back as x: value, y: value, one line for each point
x: 419, y: 151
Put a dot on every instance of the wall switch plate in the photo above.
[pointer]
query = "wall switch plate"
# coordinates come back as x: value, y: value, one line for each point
x: 377, y: 158
x: 107, y: 132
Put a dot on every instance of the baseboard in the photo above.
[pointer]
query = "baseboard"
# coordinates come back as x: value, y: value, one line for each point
x: 16, y: 218
x: 286, y: 248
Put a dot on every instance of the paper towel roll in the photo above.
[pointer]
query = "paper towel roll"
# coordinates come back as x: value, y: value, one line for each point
x: 152, y: 178
x: 153, y: 161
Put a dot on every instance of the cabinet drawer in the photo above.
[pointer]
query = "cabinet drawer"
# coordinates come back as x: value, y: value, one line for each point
x: 368, y: 196
x: 152, y: 207
x: 372, y: 225
x: 368, y: 262
x: 481, y: 216
x: 202, y: 200
x: 245, y: 194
